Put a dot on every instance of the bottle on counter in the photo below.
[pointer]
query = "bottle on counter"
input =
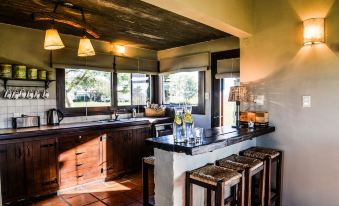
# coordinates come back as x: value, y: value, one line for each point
x: 134, y: 113
x: 188, y: 124
x: 178, y: 126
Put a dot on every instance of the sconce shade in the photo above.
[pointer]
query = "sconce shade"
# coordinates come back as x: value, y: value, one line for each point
x: 238, y: 93
x: 53, y: 40
x: 85, y: 48
x: 121, y: 49
x: 314, y: 31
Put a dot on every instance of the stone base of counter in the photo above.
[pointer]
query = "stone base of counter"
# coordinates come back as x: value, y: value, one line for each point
x: 170, y: 168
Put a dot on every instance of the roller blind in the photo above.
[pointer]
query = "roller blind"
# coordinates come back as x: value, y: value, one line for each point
x: 133, y: 65
x: 227, y: 68
x: 195, y: 62
x: 68, y: 58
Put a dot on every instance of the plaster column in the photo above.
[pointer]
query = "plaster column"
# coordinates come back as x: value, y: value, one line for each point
x: 170, y: 168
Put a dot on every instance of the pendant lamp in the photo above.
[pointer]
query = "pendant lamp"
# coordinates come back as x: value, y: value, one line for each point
x: 53, y: 40
x: 85, y: 47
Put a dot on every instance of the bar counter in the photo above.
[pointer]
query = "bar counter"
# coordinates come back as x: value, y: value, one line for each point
x: 214, y: 138
x: 172, y: 160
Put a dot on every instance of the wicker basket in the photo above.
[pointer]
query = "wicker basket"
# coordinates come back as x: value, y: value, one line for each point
x: 150, y: 112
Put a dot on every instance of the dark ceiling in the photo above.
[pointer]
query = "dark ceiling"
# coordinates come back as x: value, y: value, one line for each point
x: 131, y: 22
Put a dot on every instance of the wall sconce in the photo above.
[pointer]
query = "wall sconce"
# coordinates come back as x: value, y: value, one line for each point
x: 314, y: 31
x: 121, y: 49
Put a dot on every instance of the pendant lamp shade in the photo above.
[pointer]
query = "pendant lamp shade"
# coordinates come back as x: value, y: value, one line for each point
x: 85, y: 48
x: 53, y: 40
x: 238, y: 94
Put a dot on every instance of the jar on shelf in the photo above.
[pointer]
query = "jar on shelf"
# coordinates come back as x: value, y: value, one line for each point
x: 32, y: 73
x: 42, y: 74
x: 19, y: 72
x: 6, y: 71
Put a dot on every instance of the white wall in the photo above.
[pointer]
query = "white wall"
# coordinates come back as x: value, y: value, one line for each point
x: 276, y: 64
x: 210, y: 46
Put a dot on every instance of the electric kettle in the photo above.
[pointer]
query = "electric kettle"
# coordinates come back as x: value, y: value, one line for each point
x: 54, y: 117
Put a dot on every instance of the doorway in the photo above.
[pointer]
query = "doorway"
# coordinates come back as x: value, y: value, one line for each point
x: 225, y: 70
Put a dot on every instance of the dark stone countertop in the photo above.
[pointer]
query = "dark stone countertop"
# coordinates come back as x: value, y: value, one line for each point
x: 7, y: 134
x: 214, y: 138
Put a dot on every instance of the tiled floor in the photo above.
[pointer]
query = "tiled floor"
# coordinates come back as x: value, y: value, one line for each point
x: 126, y: 191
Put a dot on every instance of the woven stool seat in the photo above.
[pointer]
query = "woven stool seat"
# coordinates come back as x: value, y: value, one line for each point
x: 212, y: 174
x: 149, y: 160
x: 237, y: 162
x: 261, y: 153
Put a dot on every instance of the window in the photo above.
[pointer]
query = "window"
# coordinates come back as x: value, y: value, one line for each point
x: 132, y: 89
x: 184, y: 88
x: 87, y: 88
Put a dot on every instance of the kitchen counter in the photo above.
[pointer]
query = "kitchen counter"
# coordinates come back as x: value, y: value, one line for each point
x: 214, y: 138
x: 6, y: 134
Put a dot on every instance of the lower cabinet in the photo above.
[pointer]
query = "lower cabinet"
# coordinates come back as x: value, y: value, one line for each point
x: 42, y: 165
x: 28, y: 168
x: 124, y: 149
x: 12, y: 165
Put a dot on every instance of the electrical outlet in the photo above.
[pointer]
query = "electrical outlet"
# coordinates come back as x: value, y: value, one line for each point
x: 306, y: 101
x: 207, y: 96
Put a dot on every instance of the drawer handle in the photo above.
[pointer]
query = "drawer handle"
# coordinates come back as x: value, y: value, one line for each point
x: 78, y: 165
x: 79, y: 153
x: 78, y: 176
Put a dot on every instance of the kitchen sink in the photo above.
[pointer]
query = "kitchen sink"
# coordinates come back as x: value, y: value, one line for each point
x: 107, y: 120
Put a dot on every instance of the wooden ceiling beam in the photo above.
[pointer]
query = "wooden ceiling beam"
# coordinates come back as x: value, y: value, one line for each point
x: 60, y: 18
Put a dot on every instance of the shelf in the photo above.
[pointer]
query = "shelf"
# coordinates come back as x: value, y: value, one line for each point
x: 46, y: 82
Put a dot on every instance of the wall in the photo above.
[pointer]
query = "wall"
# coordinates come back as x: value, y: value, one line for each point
x: 276, y: 64
x: 210, y: 46
x: 20, y: 45
x: 231, y: 16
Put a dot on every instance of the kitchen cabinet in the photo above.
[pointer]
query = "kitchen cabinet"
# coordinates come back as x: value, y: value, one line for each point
x: 124, y: 149
x: 41, y: 167
x: 80, y: 158
x: 12, y: 171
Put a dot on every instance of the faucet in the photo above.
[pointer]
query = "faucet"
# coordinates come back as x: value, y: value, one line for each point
x: 113, y: 114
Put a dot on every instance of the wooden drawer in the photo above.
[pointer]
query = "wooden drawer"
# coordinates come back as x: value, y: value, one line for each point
x: 80, y: 152
x: 78, y: 164
x: 79, y: 177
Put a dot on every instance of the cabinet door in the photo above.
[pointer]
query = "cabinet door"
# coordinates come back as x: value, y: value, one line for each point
x: 115, y: 152
x: 12, y: 172
x: 41, y: 167
x: 137, y: 147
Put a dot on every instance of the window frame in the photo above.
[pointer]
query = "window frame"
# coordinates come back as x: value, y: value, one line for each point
x: 130, y: 107
x: 200, y: 108
x: 77, y: 111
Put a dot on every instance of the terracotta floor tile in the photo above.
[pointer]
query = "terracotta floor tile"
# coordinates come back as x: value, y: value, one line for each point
x: 52, y: 201
x: 118, y: 200
x: 106, y: 194
x: 134, y: 194
x: 98, y: 203
x: 82, y: 199
x: 69, y: 195
x: 135, y: 204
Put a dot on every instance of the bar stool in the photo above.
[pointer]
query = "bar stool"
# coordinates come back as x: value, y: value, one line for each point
x: 216, y: 178
x: 269, y: 156
x: 147, y: 163
x: 251, y: 167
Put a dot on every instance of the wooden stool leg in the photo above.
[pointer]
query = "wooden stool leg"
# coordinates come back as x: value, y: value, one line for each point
x: 241, y: 191
x: 145, y: 183
x: 219, y: 194
x: 262, y: 185
x: 248, y: 188
x: 278, y: 180
x: 188, y: 190
x: 268, y: 181
x: 209, y: 197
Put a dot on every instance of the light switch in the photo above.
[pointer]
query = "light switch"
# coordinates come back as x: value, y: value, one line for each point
x: 207, y: 96
x: 306, y: 101
x: 259, y: 99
